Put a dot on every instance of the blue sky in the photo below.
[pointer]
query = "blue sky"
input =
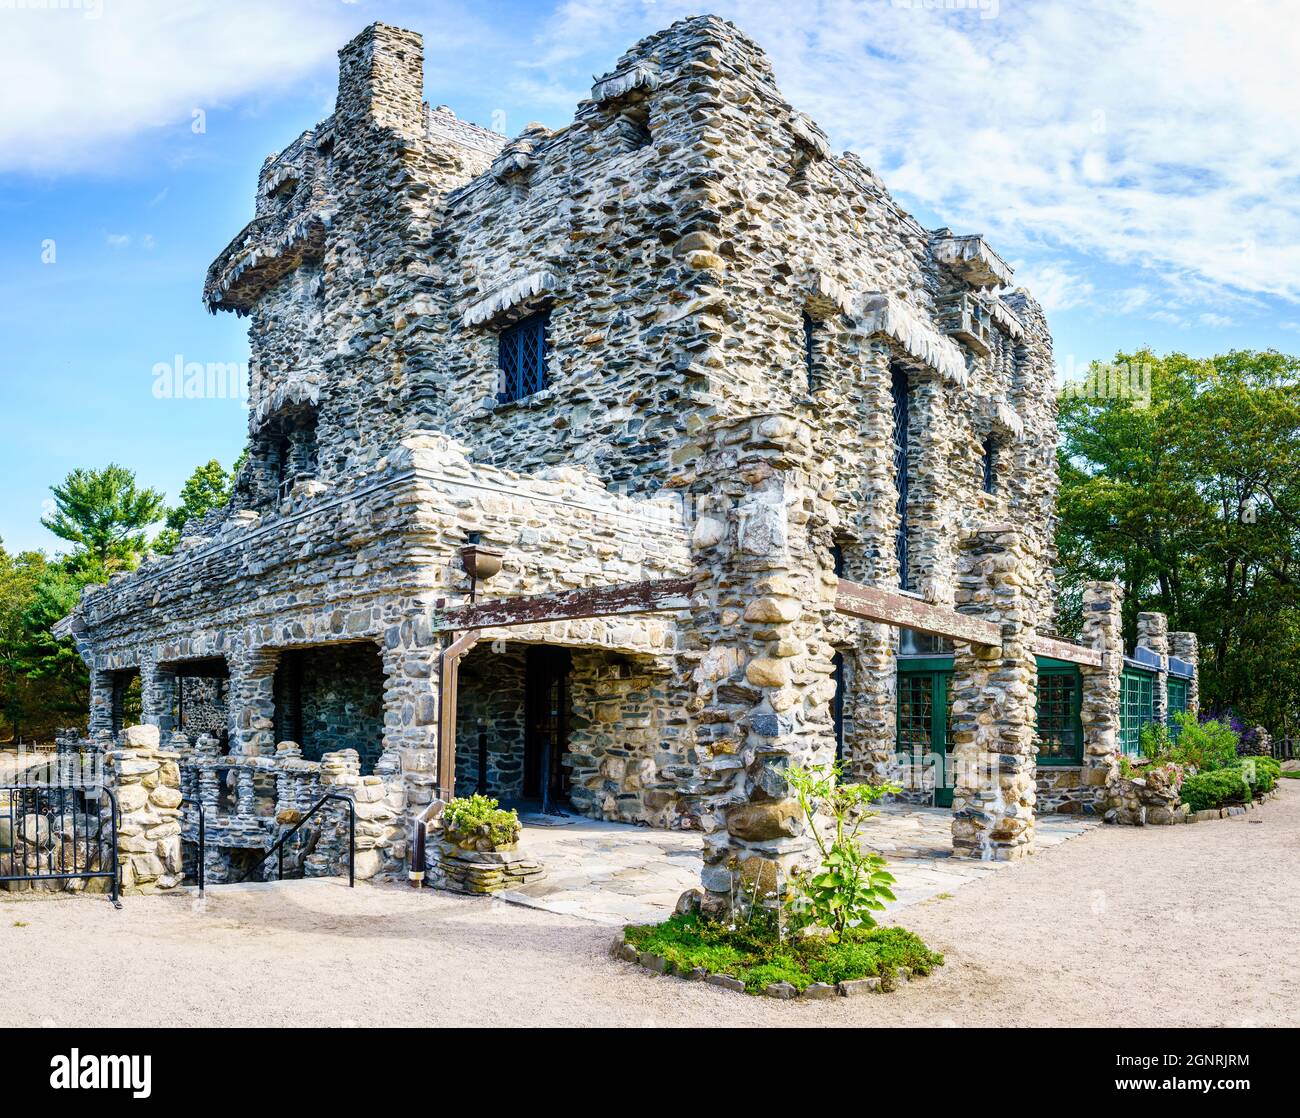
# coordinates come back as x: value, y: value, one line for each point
x: 1137, y: 163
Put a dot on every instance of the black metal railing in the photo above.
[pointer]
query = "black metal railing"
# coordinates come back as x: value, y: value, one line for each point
x: 277, y: 848
x: 58, y: 832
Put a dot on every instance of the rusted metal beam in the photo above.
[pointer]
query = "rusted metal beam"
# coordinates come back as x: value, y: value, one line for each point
x: 448, y: 678
x: 1064, y: 650
x: 571, y: 605
x: 902, y: 610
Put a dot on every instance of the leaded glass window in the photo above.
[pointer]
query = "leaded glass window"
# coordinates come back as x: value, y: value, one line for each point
x: 915, y: 714
x: 989, y: 466
x: 521, y: 355
x: 1060, y: 731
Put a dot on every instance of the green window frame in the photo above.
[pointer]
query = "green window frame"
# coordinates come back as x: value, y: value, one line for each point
x: 1177, y: 703
x: 1060, y: 722
x: 1136, y: 708
x: 924, y: 715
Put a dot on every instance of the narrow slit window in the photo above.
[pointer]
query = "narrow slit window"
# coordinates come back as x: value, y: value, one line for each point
x: 899, y: 396
x: 521, y: 356
x: 810, y: 350
x: 988, y: 466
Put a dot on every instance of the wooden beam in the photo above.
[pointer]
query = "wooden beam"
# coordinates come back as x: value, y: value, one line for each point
x: 1064, y: 650
x: 571, y: 605
x: 905, y: 612
x: 448, y: 679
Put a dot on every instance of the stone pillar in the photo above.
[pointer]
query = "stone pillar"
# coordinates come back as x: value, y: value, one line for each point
x: 146, y: 782
x: 993, y: 701
x: 410, y: 656
x: 101, y: 702
x: 157, y: 694
x: 869, y: 466
x: 757, y: 653
x: 1187, y: 647
x: 1153, y: 635
x: 251, y: 703
x: 1103, y: 630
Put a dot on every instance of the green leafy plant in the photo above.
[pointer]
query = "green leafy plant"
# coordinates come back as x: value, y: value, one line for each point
x: 1208, y: 790
x: 483, y: 817
x: 1261, y: 773
x: 757, y: 958
x: 1207, y: 745
x: 851, y: 883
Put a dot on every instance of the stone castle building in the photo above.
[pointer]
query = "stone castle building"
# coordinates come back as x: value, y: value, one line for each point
x: 769, y: 470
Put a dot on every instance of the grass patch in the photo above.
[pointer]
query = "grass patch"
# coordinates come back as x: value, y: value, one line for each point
x: 1290, y: 775
x: 755, y: 957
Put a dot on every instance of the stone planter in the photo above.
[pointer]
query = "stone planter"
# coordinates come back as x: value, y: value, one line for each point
x: 480, y: 872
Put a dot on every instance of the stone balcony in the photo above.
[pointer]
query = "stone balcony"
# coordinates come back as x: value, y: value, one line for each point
x: 971, y: 259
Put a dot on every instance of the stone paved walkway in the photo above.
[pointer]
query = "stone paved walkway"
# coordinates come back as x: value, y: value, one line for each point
x: 614, y: 873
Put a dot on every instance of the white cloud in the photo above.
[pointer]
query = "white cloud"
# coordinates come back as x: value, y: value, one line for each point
x: 1216, y: 320
x: 78, y: 89
x: 1157, y: 136
x: 117, y: 240
x: 1056, y: 286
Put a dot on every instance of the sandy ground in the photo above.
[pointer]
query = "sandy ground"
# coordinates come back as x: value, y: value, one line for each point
x: 1195, y: 925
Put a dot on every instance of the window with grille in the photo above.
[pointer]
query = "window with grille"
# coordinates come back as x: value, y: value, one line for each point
x: 1060, y: 731
x: 915, y: 714
x: 989, y: 466
x: 521, y: 356
x: 1137, y: 708
x: 899, y: 395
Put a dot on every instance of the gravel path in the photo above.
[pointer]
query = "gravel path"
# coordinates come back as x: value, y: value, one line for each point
x: 1195, y: 925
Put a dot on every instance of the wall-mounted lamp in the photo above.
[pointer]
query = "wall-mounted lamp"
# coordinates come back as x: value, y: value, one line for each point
x: 480, y: 563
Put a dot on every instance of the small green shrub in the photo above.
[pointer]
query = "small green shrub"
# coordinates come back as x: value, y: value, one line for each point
x: 1261, y: 773
x: 851, y: 883
x: 1207, y: 745
x: 482, y: 815
x: 1207, y: 790
x: 1155, y: 741
x: 757, y: 958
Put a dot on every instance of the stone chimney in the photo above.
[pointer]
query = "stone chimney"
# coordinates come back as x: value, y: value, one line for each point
x: 381, y: 81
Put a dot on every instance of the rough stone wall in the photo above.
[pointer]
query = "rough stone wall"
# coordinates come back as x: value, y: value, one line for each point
x: 146, y: 782
x: 490, y: 700
x: 202, y: 707
x: 338, y: 693
x: 631, y: 755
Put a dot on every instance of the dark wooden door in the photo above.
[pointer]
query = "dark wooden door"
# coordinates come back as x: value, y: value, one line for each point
x: 546, y: 726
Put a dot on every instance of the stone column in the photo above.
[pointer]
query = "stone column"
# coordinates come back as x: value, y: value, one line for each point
x: 872, y: 751
x: 1103, y: 630
x: 251, y: 703
x: 157, y: 694
x: 993, y: 701
x: 410, y: 656
x: 101, y: 701
x: 146, y: 782
x: 1186, y: 646
x: 757, y: 653
x: 1153, y: 635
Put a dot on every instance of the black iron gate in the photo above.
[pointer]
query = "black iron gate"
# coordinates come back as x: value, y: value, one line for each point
x: 58, y: 832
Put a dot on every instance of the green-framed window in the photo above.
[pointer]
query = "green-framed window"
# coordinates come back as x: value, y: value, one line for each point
x: 925, y: 717
x: 1177, y: 702
x: 1060, y: 727
x: 1136, y: 708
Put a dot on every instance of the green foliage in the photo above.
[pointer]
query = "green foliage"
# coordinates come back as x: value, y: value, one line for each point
x: 758, y: 958
x: 468, y: 815
x: 1193, y: 504
x: 208, y: 487
x: 850, y: 883
x: 43, y: 682
x: 1261, y: 773
x: 105, y: 516
x: 1200, y: 745
x: 1207, y: 790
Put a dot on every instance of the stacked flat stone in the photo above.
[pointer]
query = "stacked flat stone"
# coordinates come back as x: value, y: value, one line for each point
x: 146, y: 782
